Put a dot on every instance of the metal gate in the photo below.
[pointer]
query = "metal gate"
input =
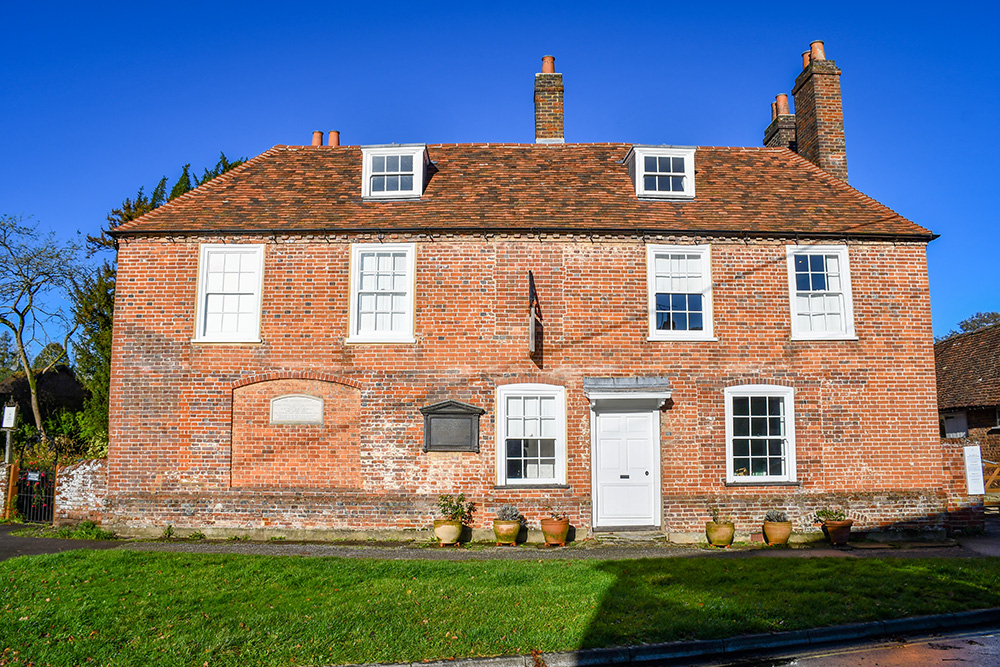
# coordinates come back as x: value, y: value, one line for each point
x: 35, y: 492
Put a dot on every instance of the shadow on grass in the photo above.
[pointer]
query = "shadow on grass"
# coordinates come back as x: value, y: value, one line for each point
x: 659, y: 600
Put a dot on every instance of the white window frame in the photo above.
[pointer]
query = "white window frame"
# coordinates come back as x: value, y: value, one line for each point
x: 530, y: 390
x: 758, y: 390
x: 419, y: 154
x: 403, y: 336
x: 252, y: 335
x: 705, y: 254
x: 637, y: 169
x: 848, y: 332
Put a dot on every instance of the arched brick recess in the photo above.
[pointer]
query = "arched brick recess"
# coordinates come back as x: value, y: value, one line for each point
x: 291, y: 456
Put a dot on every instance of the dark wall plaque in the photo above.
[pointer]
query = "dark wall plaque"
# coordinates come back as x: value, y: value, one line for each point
x: 451, y: 426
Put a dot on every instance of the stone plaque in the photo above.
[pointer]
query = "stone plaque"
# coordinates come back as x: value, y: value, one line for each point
x: 974, y: 471
x: 297, y: 409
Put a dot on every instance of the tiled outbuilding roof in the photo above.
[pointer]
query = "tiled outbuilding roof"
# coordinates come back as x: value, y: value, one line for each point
x: 529, y: 187
x: 968, y: 369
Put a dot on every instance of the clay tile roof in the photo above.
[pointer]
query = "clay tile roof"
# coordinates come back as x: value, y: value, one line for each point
x: 529, y: 187
x: 968, y: 369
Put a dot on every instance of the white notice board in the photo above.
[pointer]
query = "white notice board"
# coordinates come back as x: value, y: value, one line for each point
x: 974, y: 471
x: 9, y: 416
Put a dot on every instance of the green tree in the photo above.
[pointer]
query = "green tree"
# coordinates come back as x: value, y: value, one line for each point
x: 974, y: 323
x: 50, y: 356
x: 93, y: 296
x: 33, y: 268
x: 8, y: 356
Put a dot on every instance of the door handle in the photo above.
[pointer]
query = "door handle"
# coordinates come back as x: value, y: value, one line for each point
x: 647, y: 473
x: 623, y: 476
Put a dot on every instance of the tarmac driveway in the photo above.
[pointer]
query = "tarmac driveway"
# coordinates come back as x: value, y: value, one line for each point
x: 11, y: 545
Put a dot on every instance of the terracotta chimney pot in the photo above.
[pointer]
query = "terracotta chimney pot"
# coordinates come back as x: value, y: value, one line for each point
x: 781, y: 102
x: 805, y: 58
x: 774, y: 110
x: 318, y: 138
x: 334, y: 138
x: 548, y: 64
x: 816, y: 50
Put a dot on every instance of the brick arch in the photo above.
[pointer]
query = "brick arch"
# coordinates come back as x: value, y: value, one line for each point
x: 294, y: 375
x: 289, y: 455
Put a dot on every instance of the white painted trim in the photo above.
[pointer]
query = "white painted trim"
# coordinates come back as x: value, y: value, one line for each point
x: 419, y: 154
x: 654, y: 334
x: 532, y: 389
x: 200, y: 295
x: 751, y: 390
x: 637, y: 155
x: 611, y: 400
x: 841, y: 251
x: 657, y: 445
x: 407, y: 336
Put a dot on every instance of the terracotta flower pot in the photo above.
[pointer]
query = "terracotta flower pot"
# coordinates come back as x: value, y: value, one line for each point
x: 777, y: 532
x: 555, y: 531
x: 506, y: 531
x: 720, y: 534
x: 839, y: 532
x: 447, y: 531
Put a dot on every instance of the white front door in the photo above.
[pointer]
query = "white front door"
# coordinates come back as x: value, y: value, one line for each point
x: 626, y: 469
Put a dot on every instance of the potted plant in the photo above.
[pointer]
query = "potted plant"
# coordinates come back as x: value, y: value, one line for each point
x: 835, y: 524
x: 456, y: 513
x: 507, y: 525
x: 777, y: 527
x: 720, y: 529
x: 555, y: 528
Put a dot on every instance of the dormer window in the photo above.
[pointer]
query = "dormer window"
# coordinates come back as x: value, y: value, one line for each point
x: 662, y: 172
x: 395, y: 171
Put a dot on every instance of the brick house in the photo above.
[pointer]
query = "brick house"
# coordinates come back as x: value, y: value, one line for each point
x: 968, y: 385
x: 329, y: 336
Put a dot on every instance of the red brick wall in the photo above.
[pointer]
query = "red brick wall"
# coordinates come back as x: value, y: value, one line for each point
x: 866, y: 420
x: 324, y: 456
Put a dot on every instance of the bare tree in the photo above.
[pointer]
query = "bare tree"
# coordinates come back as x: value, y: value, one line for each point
x: 34, y: 268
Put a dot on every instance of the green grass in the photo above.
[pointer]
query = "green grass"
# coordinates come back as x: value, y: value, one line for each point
x: 88, y: 530
x: 133, y: 608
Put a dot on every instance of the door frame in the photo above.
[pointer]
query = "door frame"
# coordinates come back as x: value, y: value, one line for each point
x: 619, y: 402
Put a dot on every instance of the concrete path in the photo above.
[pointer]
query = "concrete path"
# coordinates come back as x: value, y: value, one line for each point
x: 972, y: 547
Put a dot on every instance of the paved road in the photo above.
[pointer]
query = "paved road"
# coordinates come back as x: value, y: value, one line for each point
x: 11, y: 545
x: 978, y: 649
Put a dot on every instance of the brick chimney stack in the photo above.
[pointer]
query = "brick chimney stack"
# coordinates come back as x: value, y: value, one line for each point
x: 781, y: 132
x: 816, y: 129
x: 819, y: 113
x: 549, y: 104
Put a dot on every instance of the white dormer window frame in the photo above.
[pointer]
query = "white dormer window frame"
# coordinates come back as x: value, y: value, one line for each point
x: 393, y: 171
x: 662, y: 172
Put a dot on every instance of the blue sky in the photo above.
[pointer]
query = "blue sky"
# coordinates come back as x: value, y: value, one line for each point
x: 101, y: 98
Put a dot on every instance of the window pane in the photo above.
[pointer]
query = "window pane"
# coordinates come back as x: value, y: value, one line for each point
x: 741, y: 466
x: 758, y: 426
x: 694, y: 303
x: 547, y: 469
x: 758, y: 448
x: 649, y: 182
x: 741, y: 426
x: 378, y: 184
x: 514, y: 407
x: 741, y: 447
x: 741, y: 406
x: 392, y: 163
x: 679, y: 322
x: 774, y: 426
x: 649, y: 164
x: 802, y: 282
x: 406, y: 163
x: 515, y: 427
x: 776, y: 467
x: 758, y: 405
x: 513, y: 448
x: 514, y: 469
x: 663, y: 301
x: 818, y: 282
x: 405, y: 182
x: 758, y: 466
x: 378, y: 163
x: 775, y: 405
x: 547, y: 448
x: 391, y: 183
x: 678, y: 165
x: 774, y: 447
x: 816, y: 263
x: 695, y: 322
x: 677, y: 183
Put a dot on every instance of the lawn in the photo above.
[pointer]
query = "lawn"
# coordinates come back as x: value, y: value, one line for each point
x: 133, y: 608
